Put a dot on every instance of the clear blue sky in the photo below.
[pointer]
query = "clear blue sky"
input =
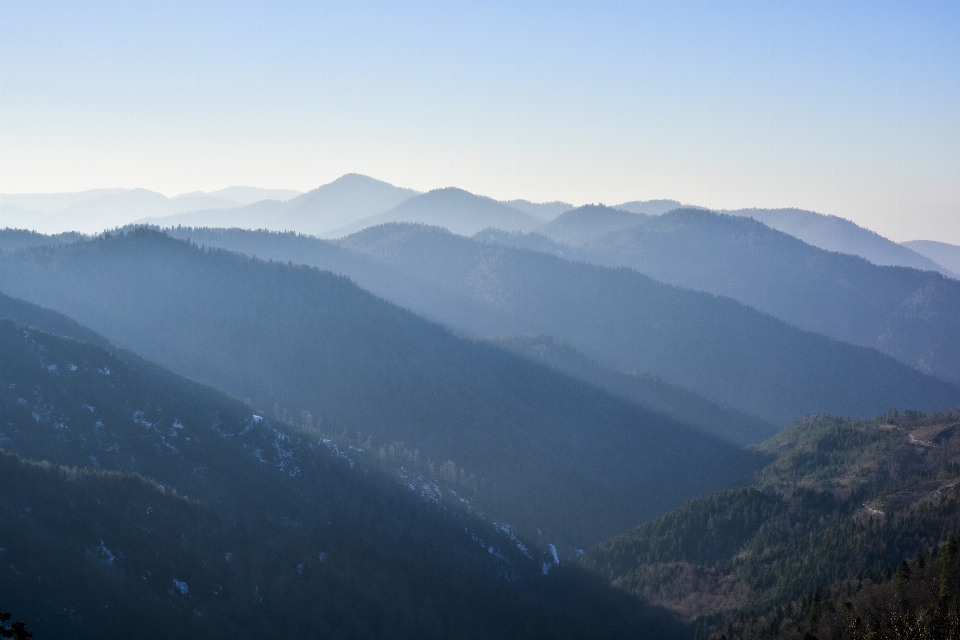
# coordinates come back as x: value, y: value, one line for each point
x: 845, y: 107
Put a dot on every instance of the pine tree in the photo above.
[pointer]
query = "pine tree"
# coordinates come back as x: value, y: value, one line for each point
x: 17, y: 630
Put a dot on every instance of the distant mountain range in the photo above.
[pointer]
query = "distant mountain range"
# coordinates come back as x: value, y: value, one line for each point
x: 942, y: 253
x: 318, y: 212
x: 836, y: 234
x: 455, y: 209
x: 354, y: 202
x: 99, y: 209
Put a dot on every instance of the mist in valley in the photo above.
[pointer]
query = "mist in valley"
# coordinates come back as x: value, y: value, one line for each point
x: 479, y: 320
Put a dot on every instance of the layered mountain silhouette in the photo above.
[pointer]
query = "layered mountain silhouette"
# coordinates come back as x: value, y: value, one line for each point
x: 284, y: 533
x: 454, y: 209
x: 445, y: 305
x: 318, y: 212
x: 583, y: 223
x: 907, y: 313
x: 714, y: 347
x: 528, y: 445
x: 95, y: 210
x: 837, y: 234
x: 942, y: 253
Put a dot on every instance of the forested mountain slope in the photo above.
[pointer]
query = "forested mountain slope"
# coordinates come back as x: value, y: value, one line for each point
x: 284, y: 534
x: 912, y: 315
x: 840, y: 501
x: 460, y: 310
x: 714, y: 346
x: 529, y: 445
x: 623, y: 320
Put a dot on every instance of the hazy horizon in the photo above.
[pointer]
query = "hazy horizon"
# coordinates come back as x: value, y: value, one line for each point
x: 847, y: 109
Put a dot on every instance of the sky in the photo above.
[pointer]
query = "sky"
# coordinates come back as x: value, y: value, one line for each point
x: 848, y: 107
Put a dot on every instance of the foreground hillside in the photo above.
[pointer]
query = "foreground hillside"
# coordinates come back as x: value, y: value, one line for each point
x: 283, y: 534
x: 840, y: 500
x: 526, y: 444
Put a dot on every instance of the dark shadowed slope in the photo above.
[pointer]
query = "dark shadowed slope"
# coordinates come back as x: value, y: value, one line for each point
x: 942, y: 253
x: 454, y: 209
x: 317, y: 212
x: 283, y: 534
x: 837, y: 234
x: 715, y: 346
x: 584, y: 223
x: 533, y: 447
x: 912, y: 315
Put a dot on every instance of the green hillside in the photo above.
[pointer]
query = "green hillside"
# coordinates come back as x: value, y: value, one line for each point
x: 839, y: 500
